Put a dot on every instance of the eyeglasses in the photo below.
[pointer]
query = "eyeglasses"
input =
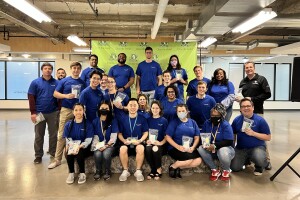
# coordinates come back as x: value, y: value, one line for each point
x: 170, y: 92
x: 247, y: 106
x: 111, y: 82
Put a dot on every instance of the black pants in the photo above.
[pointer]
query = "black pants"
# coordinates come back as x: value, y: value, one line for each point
x: 154, y: 158
x: 80, y: 157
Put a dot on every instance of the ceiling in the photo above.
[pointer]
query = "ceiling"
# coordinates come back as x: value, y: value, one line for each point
x: 188, y: 20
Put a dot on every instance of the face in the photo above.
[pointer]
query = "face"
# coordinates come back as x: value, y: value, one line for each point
x: 47, y: 71
x: 104, y: 107
x: 155, y: 109
x: 93, y: 61
x: 167, y: 77
x: 95, y: 80
x: 103, y: 81
x: 174, y: 62
x: 111, y: 83
x: 215, y: 113
x: 60, y: 74
x: 201, y: 89
x: 198, y: 71
x: 148, y: 54
x: 246, y: 109
x: 121, y: 59
x: 142, y: 101
x: 220, y: 75
x: 132, y: 107
x: 75, y: 70
x: 249, y: 69
x: 171, y: 93
x: 78, y: 112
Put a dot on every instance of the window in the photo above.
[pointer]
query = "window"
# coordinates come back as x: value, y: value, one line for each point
x: 2, y: 80
x: 282, y: 89
x: 235, y: 74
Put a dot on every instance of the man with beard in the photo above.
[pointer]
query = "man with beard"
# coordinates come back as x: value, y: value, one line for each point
x: 60, y: 74
x: 85, y: 75
x: 123, y: 74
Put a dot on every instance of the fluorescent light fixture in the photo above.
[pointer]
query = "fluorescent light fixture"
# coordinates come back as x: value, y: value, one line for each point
x: 82, y: 50
x: 208, y: 41
x: 260, y: 18
x: 30, y: 10
x: 25, y: 55
x: 245, y: 59
x: 9, y: 57
x: 76, y: 40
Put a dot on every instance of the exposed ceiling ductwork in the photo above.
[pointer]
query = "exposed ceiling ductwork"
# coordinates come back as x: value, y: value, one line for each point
x: 159, y: 17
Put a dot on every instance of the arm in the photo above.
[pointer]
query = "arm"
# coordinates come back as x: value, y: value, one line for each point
x: 196, y: 142
x: 266, y: 92
x: 143, y: 138
x: 59, y: 95
x: 174, y: 144
x: 159, y: 80
x: 122, y: 139
x: 260, y: 136
x: 86, y: 143
x: 32, y: 107
x: 137, y: 84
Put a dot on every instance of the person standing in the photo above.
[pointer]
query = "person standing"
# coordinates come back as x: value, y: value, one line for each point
x: 159, y: 91
x: 85, y: 75
x: 60, y: 74
x: 43, y: 104
x: 193, y: 84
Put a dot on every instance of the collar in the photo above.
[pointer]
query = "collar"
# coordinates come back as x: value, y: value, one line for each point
x: 199, y: 97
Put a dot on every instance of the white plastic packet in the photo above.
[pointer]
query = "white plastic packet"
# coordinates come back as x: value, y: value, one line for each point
x: 76, y: 90
x: 205, y: 139
x: 74, y: 147
x: 187, y: 142
x: 153, y: 134
x: 119, y: 98
x: 247, y: 123
x: 39, y: 118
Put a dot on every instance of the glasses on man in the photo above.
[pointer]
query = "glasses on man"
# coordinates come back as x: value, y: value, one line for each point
x: 247, y: 106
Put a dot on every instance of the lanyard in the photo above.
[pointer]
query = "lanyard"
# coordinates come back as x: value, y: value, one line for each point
x: 111, y: 101
x: 216, y: 133
x: 132, y: 128
x: 101, y: 125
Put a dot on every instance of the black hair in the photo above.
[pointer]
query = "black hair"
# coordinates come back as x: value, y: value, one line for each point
x: 123, y: 54
x: 170, y: 67
x: 96, y: 72
x: 245, y: 99
x: 186, y: 107
x: 166, y: 72
x: 72, y: 122
x: 214, y: 80
x: 61, y: 69
x: 93, y: 55
x: 109, y: 117
x: 160, y: 107
x: 46, y: 64
x: 148, y: 48
x: 133, y: 99
x: 172, y: 86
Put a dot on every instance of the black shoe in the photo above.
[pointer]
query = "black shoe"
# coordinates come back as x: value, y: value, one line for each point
x: 269, y: 166
x: 97, y: 175
x: 178, y: 175
x: 172, y: 172
x: 37, y: 160
x: 106, y: 176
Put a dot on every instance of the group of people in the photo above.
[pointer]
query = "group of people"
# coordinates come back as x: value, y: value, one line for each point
x: 90, y: 113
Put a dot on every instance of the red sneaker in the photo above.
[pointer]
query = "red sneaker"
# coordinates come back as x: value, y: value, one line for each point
x: 215, y: 173
x: 225, y: 175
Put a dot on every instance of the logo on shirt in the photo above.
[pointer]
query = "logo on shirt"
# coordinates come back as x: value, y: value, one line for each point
x: 138, y: 124
x: 159, y: 124
x: 255, y: 83
x: 125, y: 70
x: 53, y: 85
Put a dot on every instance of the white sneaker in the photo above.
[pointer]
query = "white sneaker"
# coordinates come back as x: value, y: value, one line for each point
x: 125, y: 174
x: 54, y: 164
x: 82, y: 178
x: 70, y: 178
x: 139, y: 175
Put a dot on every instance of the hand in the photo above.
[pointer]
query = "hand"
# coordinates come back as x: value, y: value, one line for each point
x: 121, y: 89
x: 138, y: 91
x: 127, y: 142
x: 148, y: 142
x: 33, y: 118
x: 249, y: 132
x: 157, y: 143
x: 70, y: 96
x: 102, y: 148
x: 181, y: 148
x: 118, y: 105
x: 237, y: 98
x: 210, y: 148
x: 136, y: 142
x: 190, y: 150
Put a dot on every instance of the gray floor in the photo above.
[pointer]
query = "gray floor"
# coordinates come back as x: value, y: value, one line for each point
x: 21, y: 179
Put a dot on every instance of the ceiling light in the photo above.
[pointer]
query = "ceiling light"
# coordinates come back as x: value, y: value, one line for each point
x: 260, y: 18
x: 82, y: 50
x: 76, y: 40
x: 25, y: 55
x: 30, y: 10
x: 9, y: 57
x: 245, y: 59
x: 208, y: 41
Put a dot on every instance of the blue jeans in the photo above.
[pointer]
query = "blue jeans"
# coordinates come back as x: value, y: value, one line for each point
x: 256, y: 155
x: 228, y: 113
x: 105, y: 156
x: 224, y: 154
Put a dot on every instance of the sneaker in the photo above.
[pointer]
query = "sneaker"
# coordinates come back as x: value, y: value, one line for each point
x: 178, y: 175
x: 70, y: 178
x: 106, y: 176
x: 125, y: 174
x: 139, y: 175
x: 225, y: 175
x: 97, y: 175
x: 215, y: 173
x: 269, y: 166
x: 82, y: 178
x: 37, y: 160
x: 258, y: 171
x: 54, y: 164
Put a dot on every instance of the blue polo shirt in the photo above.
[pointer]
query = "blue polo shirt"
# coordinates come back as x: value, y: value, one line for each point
x: 200, y: 108
x: 220, y: 92
x: 122, y: 75
x: 159, y: 92
x: 65, y: 87
x: 91, y: 99
x: 224, y: 132
x: 148, y: 73
x: 245, y: 141
x: 169, y: 108
x: 177, y: 129
x: 43, y: 91
x: 85, y: 74
x: 78, y: 132
x: 144, y: 113
x: 112, y: 128
x: 178, y: 83
x: 159, y: 124
x: 118, y: 112
x: 139, y: 125
x: 193, y: 84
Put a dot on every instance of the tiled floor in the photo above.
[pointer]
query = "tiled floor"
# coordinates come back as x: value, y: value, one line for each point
x: 21, y: 179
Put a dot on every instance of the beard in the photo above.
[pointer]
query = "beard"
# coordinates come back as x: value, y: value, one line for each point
x: 121, y: 61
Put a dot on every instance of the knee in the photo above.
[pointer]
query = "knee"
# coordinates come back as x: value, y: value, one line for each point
x: 123, y: 150
x: 196, y: 162
x: 201, y: 150
x: 236, y: 166
x: 140, y: 149
x: 223, y: 153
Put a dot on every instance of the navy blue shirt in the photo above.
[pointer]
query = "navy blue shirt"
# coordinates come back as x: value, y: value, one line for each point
x: 118, y: 112
x: 159, y: 92
x: 78, y: 132
x: 159, y: 124
x: 91, y: 99
x: 112, y: 128
x: 43, y: 91
x: 220, y: 92
x: 177, y: 129
x: 224, y: 132
x: 245, y: 141
x: 122, y: 75
x: 85, y: 74
x: 148, y: 73
x: 200, y: 108
x: 193, y: 84
x: 179, y: 84
x: 139, y: 125
x: 65, y: 87
x: 169, y: 108
x: 144, y: 113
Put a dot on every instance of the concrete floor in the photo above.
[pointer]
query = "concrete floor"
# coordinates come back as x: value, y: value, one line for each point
x: 21, y: 179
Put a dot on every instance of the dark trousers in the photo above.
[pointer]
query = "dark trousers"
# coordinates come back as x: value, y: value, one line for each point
x: 154, y: 158
x: 80, y: 157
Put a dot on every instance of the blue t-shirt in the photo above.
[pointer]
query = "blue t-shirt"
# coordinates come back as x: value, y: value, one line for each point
x: 220, y: 92
x: 159, y: 92
x: 169, y: 108
x: 65, y: 87
x: 178, y: 129
x: 122, y: 75
x: 144, y: 113
x: 200, y: 108
x: 85, y: 74
x: 118, y: 112
x: 193, y: 84
x: 245, y: 141
x: 43, y: 91
x: 112, y: 128
x: 178, y: 83
x: 138, y: 126
x: 224, y: 132
x: 78, y: 132
x: 148, y: 73
x: 159, y: 124
x: 91, y: 99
